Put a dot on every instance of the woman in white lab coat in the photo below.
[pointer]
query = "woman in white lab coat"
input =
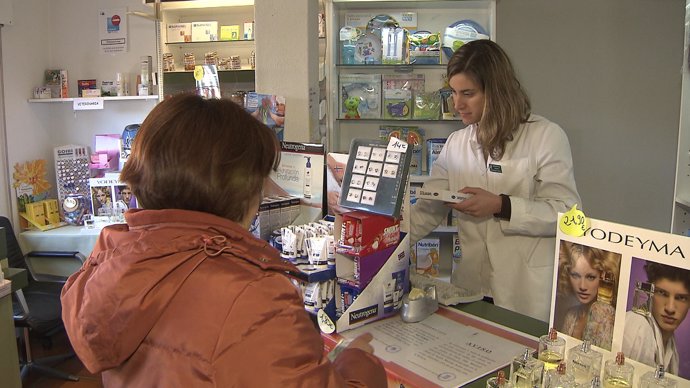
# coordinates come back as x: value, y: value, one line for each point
x: 517, y: 169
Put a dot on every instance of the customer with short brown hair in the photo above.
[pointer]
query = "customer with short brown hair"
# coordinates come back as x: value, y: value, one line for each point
x: 183, y: 295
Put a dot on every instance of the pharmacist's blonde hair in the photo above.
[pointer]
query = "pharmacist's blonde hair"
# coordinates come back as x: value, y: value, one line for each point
x: 209, y: 155
x: 506, y: 104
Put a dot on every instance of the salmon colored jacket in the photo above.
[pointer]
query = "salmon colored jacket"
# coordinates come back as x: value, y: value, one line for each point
x: 178, y: 298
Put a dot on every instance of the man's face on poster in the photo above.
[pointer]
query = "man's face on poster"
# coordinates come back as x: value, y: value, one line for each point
x: 126, y: 194
x: 670, y: 304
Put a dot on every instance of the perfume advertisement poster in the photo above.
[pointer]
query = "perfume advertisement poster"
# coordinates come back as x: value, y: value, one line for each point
x: 625, y: 289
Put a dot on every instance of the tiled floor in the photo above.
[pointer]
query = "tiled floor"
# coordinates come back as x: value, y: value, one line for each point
x: 73, y: 366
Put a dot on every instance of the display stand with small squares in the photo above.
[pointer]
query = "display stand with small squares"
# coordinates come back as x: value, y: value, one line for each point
x: 376, y: 176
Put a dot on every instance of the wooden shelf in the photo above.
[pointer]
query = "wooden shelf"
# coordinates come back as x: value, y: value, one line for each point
x: 210, y: 41
x: 107, y: 98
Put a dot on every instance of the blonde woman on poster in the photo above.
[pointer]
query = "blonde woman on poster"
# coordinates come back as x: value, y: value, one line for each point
x: 589, y: 276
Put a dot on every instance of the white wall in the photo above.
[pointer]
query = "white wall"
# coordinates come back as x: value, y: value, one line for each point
x: 609, y: 72
x: 287, y: 55
x: 64, y: 34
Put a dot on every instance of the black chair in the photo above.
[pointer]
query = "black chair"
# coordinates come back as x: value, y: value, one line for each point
x: 37, y: 308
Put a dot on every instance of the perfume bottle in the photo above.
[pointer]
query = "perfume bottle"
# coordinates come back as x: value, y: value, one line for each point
x: 617, y: 373
x: 656, y: 379
x: 551, y: 349
x: 584, y: 363
x: 595, y: 383
x: 526, y: 371
x: 607, y: 284
x: 558, y: 378
x: 499, y: 381
x: 642, y: 298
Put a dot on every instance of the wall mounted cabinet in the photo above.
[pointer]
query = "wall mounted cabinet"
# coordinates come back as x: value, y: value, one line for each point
x: 239, y: 77
x: 432, y: 16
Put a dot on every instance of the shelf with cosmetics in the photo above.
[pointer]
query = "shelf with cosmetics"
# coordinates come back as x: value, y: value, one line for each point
x: 219, y: 32
x: 380, y: 75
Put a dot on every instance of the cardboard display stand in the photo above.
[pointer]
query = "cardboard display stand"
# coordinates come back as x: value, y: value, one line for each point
x: 623, y: 251
x: 381, y: 297
x: 300, y: 174
x: 376, y: 176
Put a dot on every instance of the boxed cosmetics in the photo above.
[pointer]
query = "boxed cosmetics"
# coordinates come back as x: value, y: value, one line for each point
x: 179, y: 32
x: 83, y: 85
x: 230, y: 32
x: 204, y: 31
x: 381, y: 297
x: 363, y: 233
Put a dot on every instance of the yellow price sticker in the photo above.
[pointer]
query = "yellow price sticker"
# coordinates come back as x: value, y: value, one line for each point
x: 574, y: 222
x: 198, y: 72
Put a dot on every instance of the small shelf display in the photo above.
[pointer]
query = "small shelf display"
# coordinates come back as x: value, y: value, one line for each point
x: 387, y: 61
x: 219, y: 33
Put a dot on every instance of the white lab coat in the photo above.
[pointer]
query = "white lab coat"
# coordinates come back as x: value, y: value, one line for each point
x: 642, y: 342
x: 513, y: 261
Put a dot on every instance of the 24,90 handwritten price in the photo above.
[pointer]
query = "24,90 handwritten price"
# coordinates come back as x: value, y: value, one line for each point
x: 574, y: 222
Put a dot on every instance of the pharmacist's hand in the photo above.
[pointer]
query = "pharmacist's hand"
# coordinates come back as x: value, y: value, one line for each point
x: 333, y: 199
x: 362, y: 342
x: 480, y: 204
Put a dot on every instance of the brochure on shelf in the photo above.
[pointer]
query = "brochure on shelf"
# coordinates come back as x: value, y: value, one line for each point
x: 624, y: 287
x: 269, y: 109
x: 300, y: 174
x: 448, y: 349
x: 206, y: 80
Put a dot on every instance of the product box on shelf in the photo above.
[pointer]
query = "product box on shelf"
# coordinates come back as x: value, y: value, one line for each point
x: 427, y: 252
x: 357, y: 271
x: 360, y: 96
x: 230, y: 32
x: 380, y: 298
x: 397, y: 104
x: 204, y: 31
x: 362, y: 233
x: 433, y: 150
x: 248, y: 30
x: 274, y: 213
x: 361, y: 20
x: 425, y: 48
x: 86, y: 84
x: 58, y: 83
x: 179, y: 32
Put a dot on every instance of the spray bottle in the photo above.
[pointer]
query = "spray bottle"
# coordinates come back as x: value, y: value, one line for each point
x: 307, y: 178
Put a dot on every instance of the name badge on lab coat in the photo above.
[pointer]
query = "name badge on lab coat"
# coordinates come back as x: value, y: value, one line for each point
x: 495, y: 168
